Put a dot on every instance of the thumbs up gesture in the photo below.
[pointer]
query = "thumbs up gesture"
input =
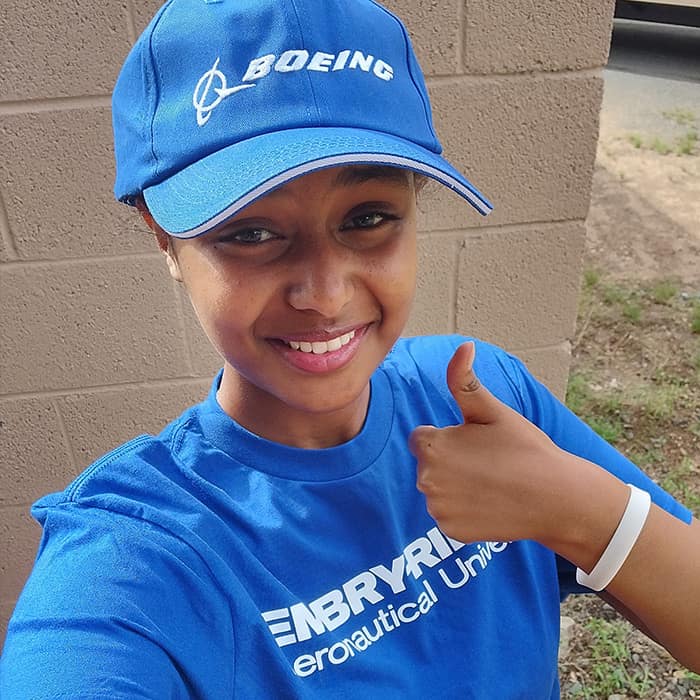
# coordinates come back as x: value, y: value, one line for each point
x: 497, y: 476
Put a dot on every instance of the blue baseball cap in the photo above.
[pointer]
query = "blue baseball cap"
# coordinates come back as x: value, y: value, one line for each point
x: 221, y: 101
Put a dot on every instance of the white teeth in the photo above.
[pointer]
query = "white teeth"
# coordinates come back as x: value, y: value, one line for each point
x: 320, y: 347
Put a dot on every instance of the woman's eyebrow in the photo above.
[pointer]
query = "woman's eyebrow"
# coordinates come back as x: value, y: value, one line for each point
x: 357, y: 174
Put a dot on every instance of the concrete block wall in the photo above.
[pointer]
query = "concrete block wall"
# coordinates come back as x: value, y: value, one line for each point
x: 97, y: 344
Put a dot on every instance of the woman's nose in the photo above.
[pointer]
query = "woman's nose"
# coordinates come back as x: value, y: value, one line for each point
x: 324, y: 283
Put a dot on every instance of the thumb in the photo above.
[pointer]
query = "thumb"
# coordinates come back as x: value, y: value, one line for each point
x: 476, y: 402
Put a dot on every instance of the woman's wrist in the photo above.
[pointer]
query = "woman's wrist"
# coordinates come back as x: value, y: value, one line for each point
x: 588, y: 505
x: 623, y: 539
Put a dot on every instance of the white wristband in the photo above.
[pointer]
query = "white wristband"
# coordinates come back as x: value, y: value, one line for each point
x: 621, y: 544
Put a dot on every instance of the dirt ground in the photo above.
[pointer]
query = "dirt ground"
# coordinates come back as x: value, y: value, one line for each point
x: 643, y: 235
x: 644, y: 221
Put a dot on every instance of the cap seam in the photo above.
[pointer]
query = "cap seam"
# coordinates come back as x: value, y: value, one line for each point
x: 407, y: 48
x: 156, y: 87
x: 308, y: 76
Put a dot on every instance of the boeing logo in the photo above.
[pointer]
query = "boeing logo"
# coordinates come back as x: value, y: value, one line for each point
x: 212, y: 88
x: 212, y: 81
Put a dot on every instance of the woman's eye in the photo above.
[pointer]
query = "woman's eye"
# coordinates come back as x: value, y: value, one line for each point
x: 369, y: 220
x: 248, y: 236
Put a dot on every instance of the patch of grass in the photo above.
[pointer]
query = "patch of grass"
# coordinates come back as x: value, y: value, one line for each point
x: 682, y: 117
x: 632, y: 311
x: 660, y: 146
x: 591, y: 277
x: 662, y: 375
x: 578, y: 393
x: 695, y: 318
x: 659, y: 402
x: 686, y: 144
x: 695, y: 361
x: 614, y: 294
x: 601, y: 410
x: 647, y: 459
x: 663, y: 291
x: 610, y: 428
x: 585, y: 402
x: 676, y: 483
x: 610, y: 656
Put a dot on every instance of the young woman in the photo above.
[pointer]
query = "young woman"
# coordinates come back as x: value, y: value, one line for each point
x: 271, y: 542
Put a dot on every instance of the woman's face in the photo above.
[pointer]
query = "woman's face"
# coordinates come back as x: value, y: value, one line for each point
x: 303, y: 293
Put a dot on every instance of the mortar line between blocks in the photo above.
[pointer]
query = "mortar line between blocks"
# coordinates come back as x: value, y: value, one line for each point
x: 564, y: 74
x: 477, y: 231
x: 563, y: 345
x: 130, y: 23
x: 454, y: 284
x: 90, y: 259
x: 104, y: 389
x: 462, y: 37
x: 24, y: 505
x: 5, y: 232
x: 54, y: 104
x: 64, y: 432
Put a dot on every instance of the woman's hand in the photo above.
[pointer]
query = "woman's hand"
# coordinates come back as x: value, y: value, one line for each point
x: 499, y: 477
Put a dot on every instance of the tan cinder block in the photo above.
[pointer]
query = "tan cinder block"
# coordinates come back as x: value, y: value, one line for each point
x: 7, y: 246
x: 98, y: 422
x: 550, y: 365
x: 20, y: 535
x: 35, y: 457
x: 435, y: 31
x: 5, y: 253
x: 433, y: 308
x: 85, y: 324
x: 206, y: 362
x: 531, y: 35
x: 434, y: 28
x: 6, y: 608
x: 527, y: 142
x: 57, y: 170
x: 519, y: 288
x: 143, y: 11
x: 60, y: 49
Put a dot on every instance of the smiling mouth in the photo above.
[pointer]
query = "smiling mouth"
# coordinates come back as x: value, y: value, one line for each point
x: 321, y: 347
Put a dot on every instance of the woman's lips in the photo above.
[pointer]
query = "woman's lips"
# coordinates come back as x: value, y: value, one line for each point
x: 321, y: 347
x: 321, y: 352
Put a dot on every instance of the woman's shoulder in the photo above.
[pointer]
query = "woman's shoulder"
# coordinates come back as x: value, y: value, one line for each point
x: 431, y: 348
x: 129, y: 478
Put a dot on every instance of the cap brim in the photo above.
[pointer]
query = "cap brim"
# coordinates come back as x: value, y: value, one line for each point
x: 213, y: 189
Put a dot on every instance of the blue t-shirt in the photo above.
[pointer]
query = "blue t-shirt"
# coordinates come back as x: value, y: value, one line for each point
x: 208, y: 562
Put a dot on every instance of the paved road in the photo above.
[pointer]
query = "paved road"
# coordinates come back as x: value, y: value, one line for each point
x: 653, y: 68
x: 659, y: 50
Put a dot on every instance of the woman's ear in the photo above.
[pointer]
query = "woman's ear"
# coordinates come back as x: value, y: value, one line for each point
x: 165, y: 243
x: 163, y: 239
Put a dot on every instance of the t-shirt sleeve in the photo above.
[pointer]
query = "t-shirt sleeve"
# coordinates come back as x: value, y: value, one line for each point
x: 115, y: 607
x: 572, y: 434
